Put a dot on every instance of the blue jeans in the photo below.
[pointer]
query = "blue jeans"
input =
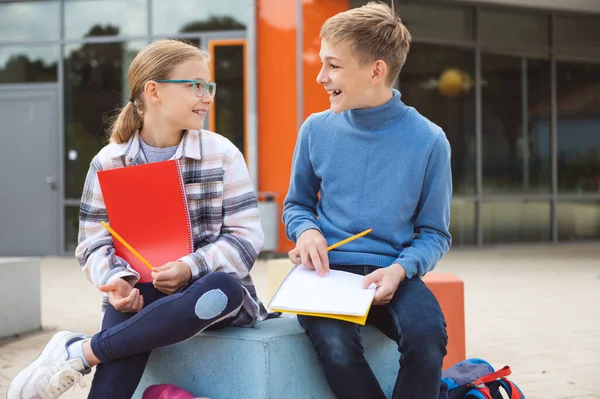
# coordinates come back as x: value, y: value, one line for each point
x: 413, y: 319
x: 126, y: 339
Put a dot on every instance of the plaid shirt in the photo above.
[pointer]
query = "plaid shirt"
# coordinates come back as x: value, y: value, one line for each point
x: 223, y: 210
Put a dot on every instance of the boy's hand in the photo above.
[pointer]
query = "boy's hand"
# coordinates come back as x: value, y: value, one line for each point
x: 387, y: 280
x: 311, y: 251
x: 122, y: 296
x: 171, y: 277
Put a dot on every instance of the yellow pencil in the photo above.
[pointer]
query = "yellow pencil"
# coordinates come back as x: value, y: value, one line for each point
x: 129, y: 247
x: 347, y: 240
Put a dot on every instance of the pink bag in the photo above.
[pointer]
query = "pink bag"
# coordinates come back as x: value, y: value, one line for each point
x: 168, y: 391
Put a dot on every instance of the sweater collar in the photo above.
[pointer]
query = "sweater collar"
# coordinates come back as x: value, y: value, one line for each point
x: 378, y: 118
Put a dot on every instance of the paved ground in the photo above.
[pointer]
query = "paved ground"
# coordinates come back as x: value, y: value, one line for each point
x: 534, y: 308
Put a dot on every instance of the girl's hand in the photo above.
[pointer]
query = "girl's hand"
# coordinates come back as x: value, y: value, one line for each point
x: 122, y: 296
x: 171, y: 277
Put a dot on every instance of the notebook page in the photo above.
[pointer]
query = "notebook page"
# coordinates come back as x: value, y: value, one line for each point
x: 337, y: 293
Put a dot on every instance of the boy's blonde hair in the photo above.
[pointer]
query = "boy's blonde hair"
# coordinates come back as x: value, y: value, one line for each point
x: 154, y: 62
x: 374, y: 32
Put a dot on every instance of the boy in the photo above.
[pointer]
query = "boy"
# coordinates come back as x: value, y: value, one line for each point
x: 375, y: 163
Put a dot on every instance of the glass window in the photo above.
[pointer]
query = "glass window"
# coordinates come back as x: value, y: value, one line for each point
x: 429, y: 21
x: 20, y: 64
x: 88, y: 18
x: 95, y: 87
x: 195, y: 16
x: 578, y: 107
x: 515, y: 124
x: 515, y: 221
x: 229, y: 110
x: 578, y: 220
x: 462, y: 222
x: 577, y: 35
x: 514, y: 29
x: 71, y: 228
x: 437, y: 21
x: 438, y: 82
x: 21, y: 21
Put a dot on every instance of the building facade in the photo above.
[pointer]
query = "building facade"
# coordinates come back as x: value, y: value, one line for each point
x: 515, y: 84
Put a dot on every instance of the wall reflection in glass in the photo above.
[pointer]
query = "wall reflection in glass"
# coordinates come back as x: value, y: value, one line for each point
x: 195, y: 16
x: 515, y: 221
x: 95, y: 83
x: 29, y: 20
x: 578, y: 106
x: 27, y: 64
x: 71, y: 228
x: 462, y: 225
x: 515, y: 125
x: 438, y: 82
x: 105, y: 18
x: 578, y: 220
x: 229, y: 101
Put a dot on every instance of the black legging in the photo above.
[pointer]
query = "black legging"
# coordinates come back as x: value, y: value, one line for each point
x: 126, y: 339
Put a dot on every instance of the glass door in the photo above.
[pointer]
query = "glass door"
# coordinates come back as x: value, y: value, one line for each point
x: 228, y: 115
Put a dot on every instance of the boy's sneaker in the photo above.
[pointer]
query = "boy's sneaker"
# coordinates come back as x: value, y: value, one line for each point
x: 51, y: 374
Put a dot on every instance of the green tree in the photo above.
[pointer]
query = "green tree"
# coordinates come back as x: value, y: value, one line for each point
x: 214, y: 22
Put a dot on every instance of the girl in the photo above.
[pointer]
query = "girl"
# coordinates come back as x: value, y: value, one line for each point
x: 171, y: 92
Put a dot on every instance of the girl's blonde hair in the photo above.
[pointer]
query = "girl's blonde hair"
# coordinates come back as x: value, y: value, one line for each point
x: 154, y: 62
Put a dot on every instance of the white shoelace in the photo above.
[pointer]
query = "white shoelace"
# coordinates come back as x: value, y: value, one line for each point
x: 64, y: 379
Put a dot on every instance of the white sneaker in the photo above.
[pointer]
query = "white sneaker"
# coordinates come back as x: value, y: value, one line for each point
x: 51, y: 374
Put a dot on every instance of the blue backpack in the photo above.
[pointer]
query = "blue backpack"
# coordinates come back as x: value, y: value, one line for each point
x: 476, y: 379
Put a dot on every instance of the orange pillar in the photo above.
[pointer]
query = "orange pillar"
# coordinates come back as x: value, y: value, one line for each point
x: 277, y: 97
x: 276, y: 74
x: 315, y: 13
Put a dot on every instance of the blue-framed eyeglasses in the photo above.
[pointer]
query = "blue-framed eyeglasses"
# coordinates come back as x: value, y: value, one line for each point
x: 200, y: 87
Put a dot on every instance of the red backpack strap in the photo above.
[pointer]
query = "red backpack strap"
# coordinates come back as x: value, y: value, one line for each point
x: 515, y: 393
x: 479, y: 386
x: 503, y: 372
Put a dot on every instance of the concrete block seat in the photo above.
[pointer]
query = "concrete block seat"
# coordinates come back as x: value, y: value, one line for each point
x: 20, y: 300
x: 273, y: 360
x: 276, y: 359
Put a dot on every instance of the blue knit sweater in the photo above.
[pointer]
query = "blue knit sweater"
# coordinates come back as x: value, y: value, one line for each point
x: 387, y: 168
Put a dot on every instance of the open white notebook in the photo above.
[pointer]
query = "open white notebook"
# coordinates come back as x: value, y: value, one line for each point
x: 338, y: 295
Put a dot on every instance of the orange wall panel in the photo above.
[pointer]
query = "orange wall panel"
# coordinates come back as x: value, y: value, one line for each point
x: 277, y: 105
x: 315, y: 13
x: 277, y: 96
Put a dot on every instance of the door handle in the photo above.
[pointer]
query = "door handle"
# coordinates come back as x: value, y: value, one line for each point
x: 51, y: 180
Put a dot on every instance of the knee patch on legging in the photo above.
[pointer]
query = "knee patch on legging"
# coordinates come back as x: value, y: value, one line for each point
x: 211, y: 304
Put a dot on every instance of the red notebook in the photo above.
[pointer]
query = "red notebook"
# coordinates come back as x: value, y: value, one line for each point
x: 147, y: 206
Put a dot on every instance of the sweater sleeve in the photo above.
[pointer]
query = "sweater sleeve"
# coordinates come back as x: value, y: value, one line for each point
x: 432, y: 222
x: 300, y: 204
